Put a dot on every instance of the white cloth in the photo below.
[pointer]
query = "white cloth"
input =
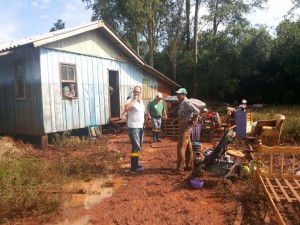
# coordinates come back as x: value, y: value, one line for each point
x: 136, y: 114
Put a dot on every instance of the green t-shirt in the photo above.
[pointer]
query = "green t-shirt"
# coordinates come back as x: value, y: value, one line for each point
x: 156, y: 108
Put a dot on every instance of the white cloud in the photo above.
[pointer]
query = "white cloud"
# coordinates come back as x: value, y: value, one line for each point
x: 35, y: 4
x: 41, y: 4
x: 74, y: 13
x: 273, y: 15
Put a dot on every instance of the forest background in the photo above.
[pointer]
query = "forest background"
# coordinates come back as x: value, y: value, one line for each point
x: 218, y: 56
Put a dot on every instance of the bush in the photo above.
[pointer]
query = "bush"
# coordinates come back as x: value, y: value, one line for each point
x: 20, y: 185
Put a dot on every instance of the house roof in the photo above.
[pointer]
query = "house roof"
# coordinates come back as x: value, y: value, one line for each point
x: 43, y: 39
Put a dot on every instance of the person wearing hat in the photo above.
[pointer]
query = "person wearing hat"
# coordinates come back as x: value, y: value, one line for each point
x: 156, y: 111
x: 188, y: 114
x: 69, y: 91
x: 243, y: 105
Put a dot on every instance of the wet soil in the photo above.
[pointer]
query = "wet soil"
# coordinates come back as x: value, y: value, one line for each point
x: 159, y: 196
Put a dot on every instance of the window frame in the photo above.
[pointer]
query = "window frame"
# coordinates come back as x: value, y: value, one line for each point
x: 64, y: 82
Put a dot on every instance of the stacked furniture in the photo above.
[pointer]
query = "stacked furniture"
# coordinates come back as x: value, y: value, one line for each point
x: 278, y: 174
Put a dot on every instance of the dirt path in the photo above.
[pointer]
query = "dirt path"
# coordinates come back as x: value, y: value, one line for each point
x: 157, y: 197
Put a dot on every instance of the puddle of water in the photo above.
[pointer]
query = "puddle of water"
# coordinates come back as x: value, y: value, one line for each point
x: 84, y: 220
x: 87, y: 194
x: 91, y: 192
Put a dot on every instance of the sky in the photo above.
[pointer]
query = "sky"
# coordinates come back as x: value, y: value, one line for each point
x: 25, y: 18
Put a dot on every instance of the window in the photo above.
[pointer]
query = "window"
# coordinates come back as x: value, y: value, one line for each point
x: 68, y: 80
x: 19, y: 79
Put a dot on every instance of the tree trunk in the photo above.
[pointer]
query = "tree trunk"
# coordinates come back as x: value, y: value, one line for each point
x: 137, y: 42
x: 187, y: 28
x: 151, y: 42
x: 195, y: 55
x: 215, y: 25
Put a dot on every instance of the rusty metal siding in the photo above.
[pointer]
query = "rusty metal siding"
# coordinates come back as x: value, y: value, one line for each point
x: 20, y: 116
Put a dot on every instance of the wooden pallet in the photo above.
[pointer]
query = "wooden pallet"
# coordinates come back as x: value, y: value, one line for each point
x: 278, y: 177
x: 170, y: 128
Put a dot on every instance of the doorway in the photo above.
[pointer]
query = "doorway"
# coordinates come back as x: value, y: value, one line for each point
x: 114, y: 93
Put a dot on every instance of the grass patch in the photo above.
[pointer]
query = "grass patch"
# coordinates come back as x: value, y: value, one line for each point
x: 291, y: 125
x: 26, y: 181
x: 20, y: 182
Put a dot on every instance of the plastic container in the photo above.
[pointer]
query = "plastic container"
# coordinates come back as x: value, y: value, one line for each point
x: 197, y: 184
x: 196, y: 132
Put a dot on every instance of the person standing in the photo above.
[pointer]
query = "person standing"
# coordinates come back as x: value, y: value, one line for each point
x: 188, y: 113
x: 156, y: 111
x: 136, y: 112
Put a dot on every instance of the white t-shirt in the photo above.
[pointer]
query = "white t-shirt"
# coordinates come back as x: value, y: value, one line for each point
x: 136, y: 114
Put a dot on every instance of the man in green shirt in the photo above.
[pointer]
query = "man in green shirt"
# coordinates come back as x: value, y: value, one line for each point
x: 155, y: 112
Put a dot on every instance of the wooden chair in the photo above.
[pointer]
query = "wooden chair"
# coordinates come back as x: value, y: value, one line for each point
x: 278, y: 175
x: 269, y: 131
x: 271, y: 134
x: 257, y: 133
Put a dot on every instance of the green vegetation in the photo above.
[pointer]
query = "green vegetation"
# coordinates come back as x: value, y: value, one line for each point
x: 291, y: 125
x: 231, y: 60
x: 34, y: 185
x: 21, y: 181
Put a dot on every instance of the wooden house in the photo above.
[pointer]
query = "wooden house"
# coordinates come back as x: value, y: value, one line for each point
x: 34, y: 71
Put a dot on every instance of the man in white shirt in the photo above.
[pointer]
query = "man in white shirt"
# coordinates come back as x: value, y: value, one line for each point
x: 136, y: 112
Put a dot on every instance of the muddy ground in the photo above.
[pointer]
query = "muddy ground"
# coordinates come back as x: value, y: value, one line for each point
x: 159, y: 196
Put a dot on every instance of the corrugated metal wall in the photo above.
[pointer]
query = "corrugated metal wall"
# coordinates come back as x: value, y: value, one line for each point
x: 44, y: 110
x: 21, y: 116
x: 92, y: 105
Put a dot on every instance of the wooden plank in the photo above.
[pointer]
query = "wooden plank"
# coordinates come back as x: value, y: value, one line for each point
x: 292, y: 189
x: 272, y: 189
x: 283, y: 190
x: 282, y: 163
x: 279, y: 218
x: 239, y: 216
x: 297, y: 182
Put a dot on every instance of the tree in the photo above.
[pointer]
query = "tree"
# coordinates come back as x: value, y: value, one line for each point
x: 131, y: 18
x: 187, y: 26
x: 173, y: 29
x: 286, y: 58
x: 225, y: 12
x: 195, y: 81
x: 58, y: 25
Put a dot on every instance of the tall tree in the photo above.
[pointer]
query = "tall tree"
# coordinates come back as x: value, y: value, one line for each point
x: 131, y: 18
x: 58, y: 25
x: 174, y: 29
x: 187, y: 25
x: 195, y: 55
x: 286, y: 55
x: 225, y: 12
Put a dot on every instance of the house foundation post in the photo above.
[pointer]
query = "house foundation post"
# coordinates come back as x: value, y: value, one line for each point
x: 44, y: 141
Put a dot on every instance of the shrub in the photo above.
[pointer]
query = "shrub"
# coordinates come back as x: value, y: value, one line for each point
x: 20, y: 185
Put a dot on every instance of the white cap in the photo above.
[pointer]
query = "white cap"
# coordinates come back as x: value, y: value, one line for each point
x: 159, y: 95
x: 244, y: 101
